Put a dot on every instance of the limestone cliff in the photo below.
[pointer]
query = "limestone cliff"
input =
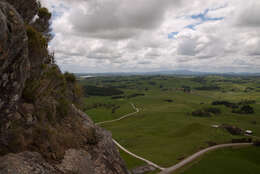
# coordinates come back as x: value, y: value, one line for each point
x: 41, y: 128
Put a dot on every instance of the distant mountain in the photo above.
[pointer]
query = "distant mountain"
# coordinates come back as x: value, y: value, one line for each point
x: 174, y: 72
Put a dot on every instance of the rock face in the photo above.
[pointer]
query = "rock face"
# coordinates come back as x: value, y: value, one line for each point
x: 42, y: 131
x: 27, y: 9
x: 14, y: 63
x: 25, y: 163
x: 77, y: 161
x: 143, y: 169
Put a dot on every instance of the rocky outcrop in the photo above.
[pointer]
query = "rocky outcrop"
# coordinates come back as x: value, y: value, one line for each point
x: 41, y: 128
x: 14, y: 63
x: 77, y: 161
x: 143, y: 169
x: 27, y: 9
x: 26, y: 163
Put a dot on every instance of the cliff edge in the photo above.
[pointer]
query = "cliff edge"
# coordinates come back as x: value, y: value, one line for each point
x: 42, y: 129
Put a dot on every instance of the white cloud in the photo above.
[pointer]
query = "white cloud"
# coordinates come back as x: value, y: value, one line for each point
x: 123, y: 35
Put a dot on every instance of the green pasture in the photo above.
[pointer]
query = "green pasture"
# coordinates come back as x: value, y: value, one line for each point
x: 166, y: 132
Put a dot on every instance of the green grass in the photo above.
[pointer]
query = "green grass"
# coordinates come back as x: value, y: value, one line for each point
x: 131, y: 162
x: 100, y: 114
x: 226, y: 161
x: 166, y: 132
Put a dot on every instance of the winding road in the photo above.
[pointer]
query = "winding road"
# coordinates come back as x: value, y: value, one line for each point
x: 125, y: 116
x: 124, y: 149
x: 179, y: 165
x: 138, y: 157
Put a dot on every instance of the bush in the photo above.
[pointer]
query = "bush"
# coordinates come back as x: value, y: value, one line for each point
x: 135, y: 95
x: 213, y: 110
x: 37, y: 43
x: 70, y: 77
x: 152, y: 83
x: 44, y: 12
x: 200, y: 113
x: 206, y: 112
x: 242, y: 140
x: 247, y: 102
x: 28, y: 93
x: 101, y: 91
x: 118, y: 97
x: 232, y: 129
x: 246, y: 109
x: 63, y: 108
x: 257, y: 143
x: 208, y: 88
x: 35, y: 38
x: 169, y: 100
x: 226, y: 103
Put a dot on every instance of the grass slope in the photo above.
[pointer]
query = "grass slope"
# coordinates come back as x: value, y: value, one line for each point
x: 226, y: 161
x: 165, y: 132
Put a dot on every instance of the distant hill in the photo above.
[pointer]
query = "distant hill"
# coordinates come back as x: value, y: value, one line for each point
x: 174, y: 72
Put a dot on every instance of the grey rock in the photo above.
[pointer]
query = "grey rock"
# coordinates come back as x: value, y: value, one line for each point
x: 76, y: 161
x: 104, y: 155
x: 143, y: 169
x: 97, y: 154
x: 27, y: 9
x: 26, y: 163
x: 14, y: 63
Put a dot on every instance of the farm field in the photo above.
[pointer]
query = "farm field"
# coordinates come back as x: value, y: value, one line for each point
x: 225, y: 161
x: 167, y: 129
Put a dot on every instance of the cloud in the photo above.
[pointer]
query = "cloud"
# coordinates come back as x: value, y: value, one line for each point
x: 149, y: 35
x: 249, y: 15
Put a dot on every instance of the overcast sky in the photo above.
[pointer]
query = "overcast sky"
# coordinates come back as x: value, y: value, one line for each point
x: 152, y: 35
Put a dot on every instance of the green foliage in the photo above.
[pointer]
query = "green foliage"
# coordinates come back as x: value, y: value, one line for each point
x: 225, y: 103
x: 28, y: 93
x: 200, y: 113
x: 247, y: 102
x: 70, y: 77
x: 208, y: 88
x: 245, y: 109
x: 135, y: 95
x: 44, y: 12
x: 206, y: 112
x: 213, y: 110
x: 63, y: 107
x: 35, y: 38
x: 54, y: 73
x: 101, y: 91
x: 37, y: 43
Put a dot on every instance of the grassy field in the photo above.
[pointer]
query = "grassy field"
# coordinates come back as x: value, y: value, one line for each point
x: 226, y: 161
x: 166, y: 132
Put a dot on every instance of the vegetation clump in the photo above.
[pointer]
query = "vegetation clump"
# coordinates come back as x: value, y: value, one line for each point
x: 232, y: 129
x: 44, y: 12
x: 169, y: 100
x: 35, y: 39
x: 135, y: 95
x: 225, y: 103
x: 208, y: 88
x: 70, y: 77
x: 206, y: 112
x: 101, y: 91
x: 245, y: 109
x: 247, y: 102
x: 257, y: 143
x: 118, y: 97
x: 242, y: 140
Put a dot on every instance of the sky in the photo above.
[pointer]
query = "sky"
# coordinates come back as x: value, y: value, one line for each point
x: 94, y: 36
